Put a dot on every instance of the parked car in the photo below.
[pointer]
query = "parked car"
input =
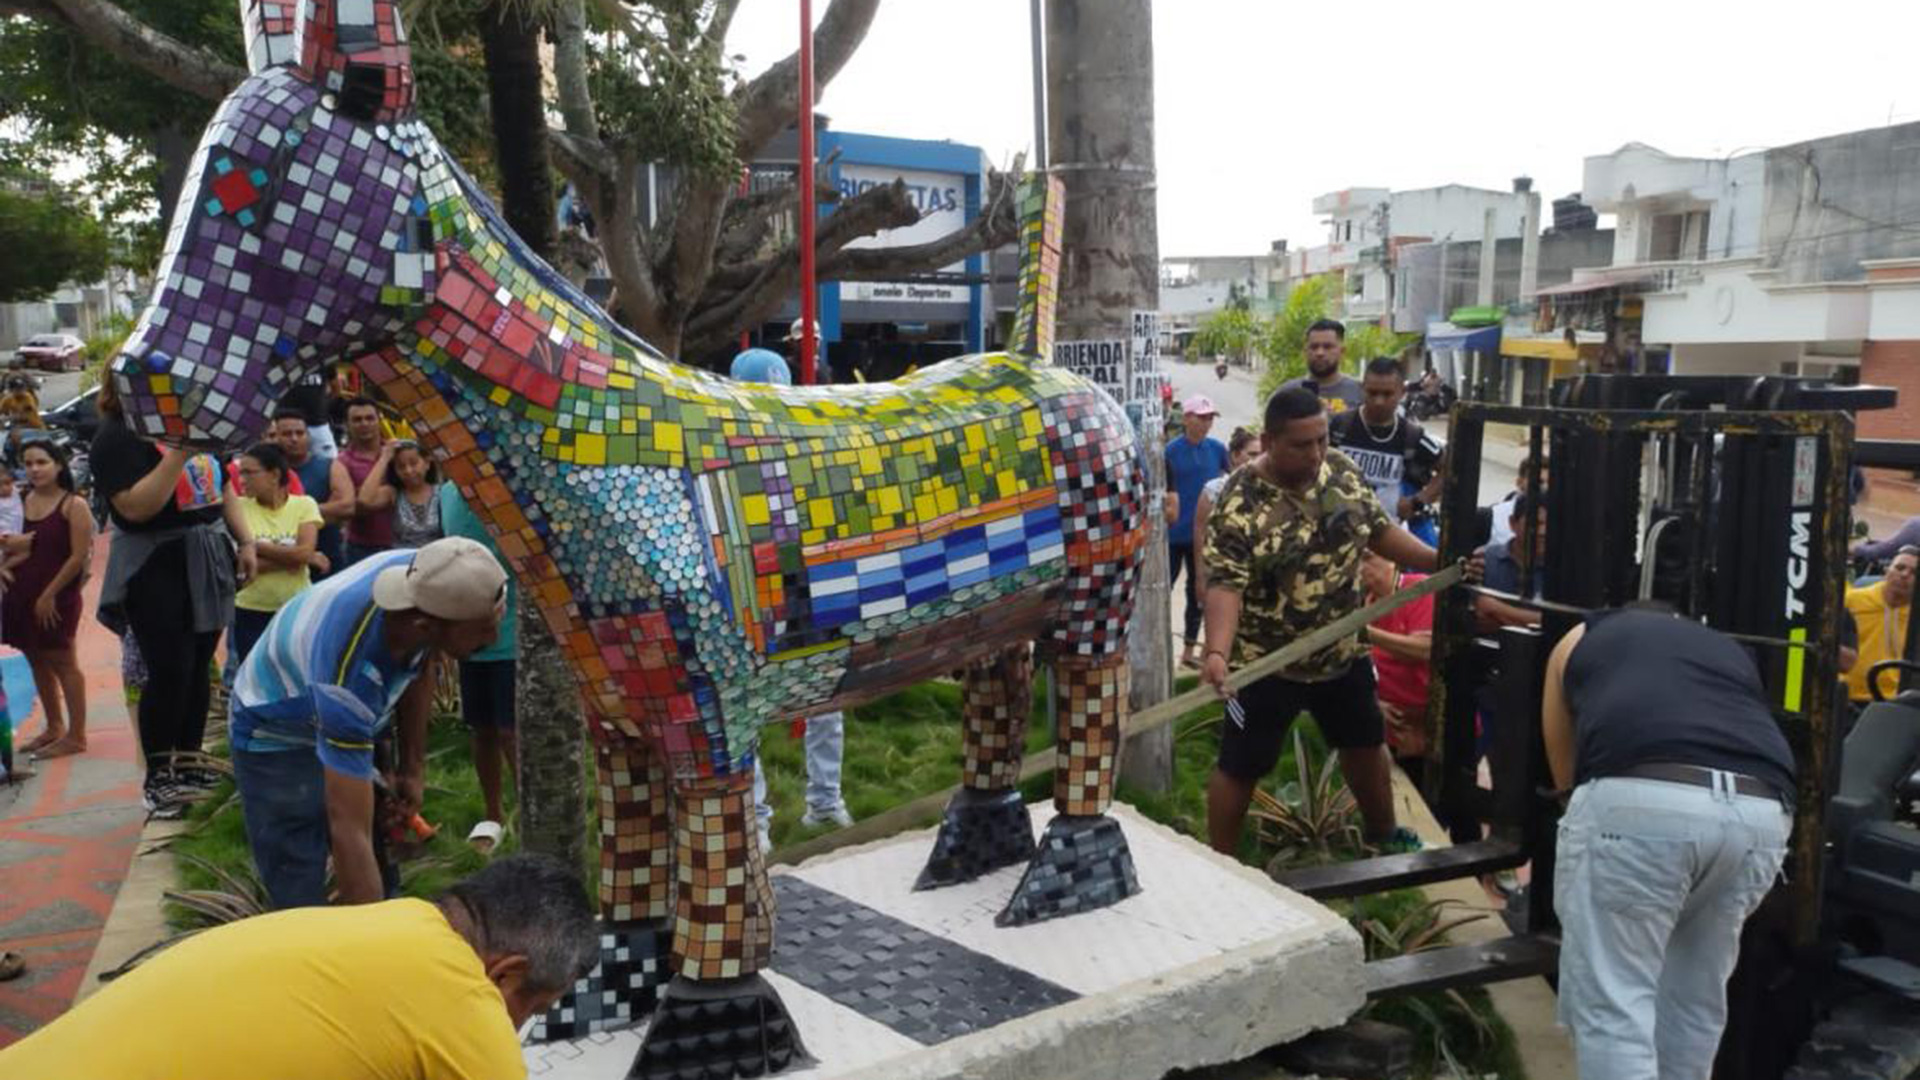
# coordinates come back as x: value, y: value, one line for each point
x: 53, y: 352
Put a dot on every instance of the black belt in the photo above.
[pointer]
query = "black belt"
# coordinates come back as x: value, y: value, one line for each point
x: 1699, y: 776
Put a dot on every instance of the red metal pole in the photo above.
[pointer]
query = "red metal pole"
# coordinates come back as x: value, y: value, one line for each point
x: 807, y: 204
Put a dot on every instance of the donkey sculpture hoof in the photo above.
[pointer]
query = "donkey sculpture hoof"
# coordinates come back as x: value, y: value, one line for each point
x: 717, y: 1029
x: 619, y: 992
x: 1083, y: 863
x: 981, y: 832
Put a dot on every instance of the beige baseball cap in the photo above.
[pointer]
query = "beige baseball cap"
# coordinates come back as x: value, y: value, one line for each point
x: 454, y: 579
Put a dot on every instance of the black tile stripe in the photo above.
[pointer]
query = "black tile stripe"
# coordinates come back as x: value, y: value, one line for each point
x: 926, y: 988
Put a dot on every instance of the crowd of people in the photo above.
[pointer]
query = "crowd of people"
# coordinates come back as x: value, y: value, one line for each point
x: 1674, y: 830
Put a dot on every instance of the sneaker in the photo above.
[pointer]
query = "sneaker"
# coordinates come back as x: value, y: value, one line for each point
x: 835, y: 816
x: 161, y: 798
x: 196, y: 778
x: 1400, y: 841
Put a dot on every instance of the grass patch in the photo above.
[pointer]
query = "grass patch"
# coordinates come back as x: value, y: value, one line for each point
x: 898, y: 749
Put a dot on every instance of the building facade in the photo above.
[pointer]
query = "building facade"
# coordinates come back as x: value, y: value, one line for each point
x: 1799, y: 260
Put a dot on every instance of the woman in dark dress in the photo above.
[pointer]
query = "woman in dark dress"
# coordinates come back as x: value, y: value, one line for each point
x: 40, y: 610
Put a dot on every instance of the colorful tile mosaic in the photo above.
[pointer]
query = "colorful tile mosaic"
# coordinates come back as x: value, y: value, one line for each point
x: 994, y: 703
x: 712, y: 556
x: 723, y: 907
x: 1092, y: 698
x: 1043, y: 201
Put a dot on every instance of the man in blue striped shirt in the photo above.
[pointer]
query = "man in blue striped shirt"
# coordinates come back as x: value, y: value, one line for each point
x: 332, y: 669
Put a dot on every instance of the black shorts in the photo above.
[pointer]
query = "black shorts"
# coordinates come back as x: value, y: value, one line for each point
x: 486, y: 693
x: 1345, y: 708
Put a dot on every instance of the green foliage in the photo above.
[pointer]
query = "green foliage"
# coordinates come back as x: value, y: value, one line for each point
x: 1231, y: 331
x: 1284, y: 340
x: 101, y: 348
x: 1284, y: 345
x: 1457, y: 1033
x: 1368, y: 340
x: 1312, y: 819
x: 660, y: 94
x: 49, y: 242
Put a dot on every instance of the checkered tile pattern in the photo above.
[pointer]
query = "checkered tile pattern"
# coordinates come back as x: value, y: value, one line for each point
x: 1091, y: 698
x: 994, y: 705
x: 619, y: 992
x: 723, y: 906
x: 636, y: 848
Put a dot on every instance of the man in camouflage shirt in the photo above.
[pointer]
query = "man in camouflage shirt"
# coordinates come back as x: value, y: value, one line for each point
x: 1283, y: 559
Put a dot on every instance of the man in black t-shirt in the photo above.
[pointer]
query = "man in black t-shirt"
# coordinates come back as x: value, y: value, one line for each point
x: 1389, y: 448
x: 1676, y: 829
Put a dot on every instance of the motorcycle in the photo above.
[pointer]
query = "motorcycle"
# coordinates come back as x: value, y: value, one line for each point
x: 1424, y: 404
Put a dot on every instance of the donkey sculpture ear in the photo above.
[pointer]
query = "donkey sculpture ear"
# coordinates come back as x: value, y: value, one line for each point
x: 269, y: 26
x: 357, y: 51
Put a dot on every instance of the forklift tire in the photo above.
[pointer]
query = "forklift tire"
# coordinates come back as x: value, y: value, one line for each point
x: 1870, y: 1038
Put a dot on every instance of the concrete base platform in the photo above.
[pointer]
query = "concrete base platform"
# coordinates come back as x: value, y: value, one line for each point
x: 1210, y: 963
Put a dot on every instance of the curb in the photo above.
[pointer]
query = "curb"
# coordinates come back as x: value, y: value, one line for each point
x: 136, y: 920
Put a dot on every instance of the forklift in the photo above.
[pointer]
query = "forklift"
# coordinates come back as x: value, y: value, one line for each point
x: 1728, y: 498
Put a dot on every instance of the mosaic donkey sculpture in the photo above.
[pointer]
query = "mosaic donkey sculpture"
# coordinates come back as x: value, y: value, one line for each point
x: 712, y: 556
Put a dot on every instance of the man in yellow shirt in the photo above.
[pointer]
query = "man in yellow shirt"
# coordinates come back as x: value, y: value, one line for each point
x: 401, y: 990
x: 1881, y: 612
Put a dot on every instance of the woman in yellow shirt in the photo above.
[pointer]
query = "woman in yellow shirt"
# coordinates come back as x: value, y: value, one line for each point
x: 286, y: 529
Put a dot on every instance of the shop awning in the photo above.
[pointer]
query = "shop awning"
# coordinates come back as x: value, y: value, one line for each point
x: 1541, y: 348
x: 1632, y: 278
x: 1446, y: 337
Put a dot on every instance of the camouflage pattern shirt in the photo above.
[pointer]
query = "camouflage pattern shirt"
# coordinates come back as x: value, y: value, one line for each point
x: 1294, y: 558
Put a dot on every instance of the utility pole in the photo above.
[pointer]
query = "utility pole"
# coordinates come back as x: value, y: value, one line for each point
x: 1100, y: 139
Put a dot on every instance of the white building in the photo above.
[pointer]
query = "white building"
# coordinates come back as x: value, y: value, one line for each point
x: 1797, y: 260
x: 1364, y: 225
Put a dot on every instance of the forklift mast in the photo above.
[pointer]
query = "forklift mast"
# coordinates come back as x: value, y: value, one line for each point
x: 1727, y: 497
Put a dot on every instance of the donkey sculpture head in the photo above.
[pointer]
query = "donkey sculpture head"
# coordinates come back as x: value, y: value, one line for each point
x: 302, y: 234
x: 710, y: 556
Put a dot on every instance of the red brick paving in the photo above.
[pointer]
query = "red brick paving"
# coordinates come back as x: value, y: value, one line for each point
x: 67, y: 837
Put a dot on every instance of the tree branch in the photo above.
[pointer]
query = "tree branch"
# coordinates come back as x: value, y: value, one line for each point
x: 720, y: 23
x: 995, y: 226
x: 165, y: 58
x: 743, y: 295
x: 885, y: 206
x: 570, y: 70
x: 771, y: 101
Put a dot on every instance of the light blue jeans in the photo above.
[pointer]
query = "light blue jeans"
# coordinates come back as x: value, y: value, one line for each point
x: 1652, y: 882
x: 826, y: 744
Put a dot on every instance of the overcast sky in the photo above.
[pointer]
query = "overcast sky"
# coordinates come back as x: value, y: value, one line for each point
x: 1263, y: 104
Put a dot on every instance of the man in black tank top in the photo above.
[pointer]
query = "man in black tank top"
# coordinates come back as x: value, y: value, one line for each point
x: 1677, y: 827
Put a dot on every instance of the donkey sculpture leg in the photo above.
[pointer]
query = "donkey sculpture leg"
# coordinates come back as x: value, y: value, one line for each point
x: 986, y: 825
x: 1083, y: 861
x: 719, y: 1017
x: 636, y: 868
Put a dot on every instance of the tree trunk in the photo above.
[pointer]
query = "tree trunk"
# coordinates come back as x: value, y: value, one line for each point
x: 553, y: 810
x: 1100, y: 142
x: 511, y: 42
x: 552, y: 795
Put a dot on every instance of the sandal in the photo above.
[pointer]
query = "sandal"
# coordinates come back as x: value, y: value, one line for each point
x: 486, y: 836
x: 12, y: 966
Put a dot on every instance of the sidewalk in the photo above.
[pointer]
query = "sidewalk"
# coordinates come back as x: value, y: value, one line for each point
x: 66, y: 839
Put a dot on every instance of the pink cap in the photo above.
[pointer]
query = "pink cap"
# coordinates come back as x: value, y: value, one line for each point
x: 1198, y: 405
